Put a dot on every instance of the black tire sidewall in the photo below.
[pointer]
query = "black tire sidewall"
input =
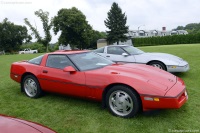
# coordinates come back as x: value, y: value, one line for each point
x: 133, y: 96
x: 39, y: 91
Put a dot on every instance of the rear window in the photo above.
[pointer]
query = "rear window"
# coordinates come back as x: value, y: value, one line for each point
x: 36, y: 60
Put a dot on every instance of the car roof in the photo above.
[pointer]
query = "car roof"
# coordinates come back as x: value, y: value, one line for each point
x: 69, y: 51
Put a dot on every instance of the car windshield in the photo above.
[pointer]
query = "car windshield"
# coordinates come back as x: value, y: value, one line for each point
x: 132, y: 50
x: 89, y: 60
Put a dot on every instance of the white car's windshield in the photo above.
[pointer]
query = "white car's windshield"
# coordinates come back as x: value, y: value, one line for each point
x: 89, y: 61
x: 132, y: 50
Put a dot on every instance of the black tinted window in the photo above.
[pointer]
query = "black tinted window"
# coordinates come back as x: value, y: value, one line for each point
x: 115, y: 50
x: 58, y: 61
x: 132, y: 50
x: 36, y: 60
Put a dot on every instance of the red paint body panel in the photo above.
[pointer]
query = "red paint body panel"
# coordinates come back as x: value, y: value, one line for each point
x: 145, y: 80
x: 14, y: 125
x: 165, y: 102
x: 63, y: 82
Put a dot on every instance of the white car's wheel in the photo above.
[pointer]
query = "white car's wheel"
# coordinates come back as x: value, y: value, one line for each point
x: 122, y: 101
x: 158, y: 64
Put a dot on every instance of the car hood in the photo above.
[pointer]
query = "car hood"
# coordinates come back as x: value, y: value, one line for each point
x: 154, y: 76
x: 162, y: 56
x: 14, y: 125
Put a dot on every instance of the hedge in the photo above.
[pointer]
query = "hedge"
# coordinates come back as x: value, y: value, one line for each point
x: 167, y: 40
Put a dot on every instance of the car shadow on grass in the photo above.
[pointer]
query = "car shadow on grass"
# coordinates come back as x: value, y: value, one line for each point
x: 60, y: 98
x: 151, y: 113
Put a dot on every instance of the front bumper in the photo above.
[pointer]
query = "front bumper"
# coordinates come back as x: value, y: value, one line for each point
x: 164, y: 102
x: 173, y: 99
x: 184, y: 68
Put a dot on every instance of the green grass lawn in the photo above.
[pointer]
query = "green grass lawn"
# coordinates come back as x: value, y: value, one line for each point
x: 65, y: 114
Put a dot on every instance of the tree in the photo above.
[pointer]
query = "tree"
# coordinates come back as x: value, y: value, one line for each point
x: 44, y: 16
x: 95, y: 36
x: 116, y: 22
x: 192, y: 28
x: 12, y: 36
x: 74, y: 28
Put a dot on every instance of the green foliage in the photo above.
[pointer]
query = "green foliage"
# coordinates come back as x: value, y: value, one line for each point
x: 74, y: 28
x: 167, y: 40
x: 34, y: 30
x: 192, y: 28
x: 12, y: 36
x: 54, y: 47
x: 95, y: 36
x: 73, y: 115
x: 116, y: 23
x: 34, y: 46
x: 44, y: 17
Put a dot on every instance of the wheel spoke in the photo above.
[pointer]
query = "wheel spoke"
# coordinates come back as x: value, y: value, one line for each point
x: 117, y: 97
x: 158, y: 66
x: 118, y: 108
x: 124, y: 110
x: 113, y: 101
x: 128, y: 104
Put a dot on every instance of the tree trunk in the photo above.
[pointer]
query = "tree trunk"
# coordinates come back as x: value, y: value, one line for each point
x: 47, y: 49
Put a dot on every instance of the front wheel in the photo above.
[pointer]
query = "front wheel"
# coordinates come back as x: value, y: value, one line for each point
x: 31, y: 86
x: 158, y: 64
x: 122, y: 101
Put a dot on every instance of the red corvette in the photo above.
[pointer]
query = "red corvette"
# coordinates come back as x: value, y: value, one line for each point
x: 124, y: 88
x: 14, y: 125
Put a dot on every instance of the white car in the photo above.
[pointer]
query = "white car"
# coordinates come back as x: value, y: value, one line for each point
x: 130, y: 54
x: 28, y: 51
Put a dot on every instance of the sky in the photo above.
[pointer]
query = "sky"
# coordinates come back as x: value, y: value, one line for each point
x: 142, y: 14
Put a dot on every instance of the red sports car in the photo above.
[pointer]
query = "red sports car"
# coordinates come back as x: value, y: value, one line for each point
x: 14, y: 125
x: 124, y: 88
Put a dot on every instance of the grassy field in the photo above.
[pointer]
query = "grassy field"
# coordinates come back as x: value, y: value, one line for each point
x: 65, y: 114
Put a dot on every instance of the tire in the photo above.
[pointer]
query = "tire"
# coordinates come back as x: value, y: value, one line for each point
x: 122, y: 101
x: 31, y: 86
x: 158, y: 64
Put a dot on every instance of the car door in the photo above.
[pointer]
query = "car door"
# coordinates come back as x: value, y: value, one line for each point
x: 117, y: 54
x: 54, y: 79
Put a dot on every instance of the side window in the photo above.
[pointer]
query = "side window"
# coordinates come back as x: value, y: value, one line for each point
x: 99, y: 50
x: 115, y: 50
x: 36, y: 60
x: 58, y: 61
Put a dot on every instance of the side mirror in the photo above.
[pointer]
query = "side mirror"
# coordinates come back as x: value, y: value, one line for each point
x: 125, y: 54
x: 69, y: 69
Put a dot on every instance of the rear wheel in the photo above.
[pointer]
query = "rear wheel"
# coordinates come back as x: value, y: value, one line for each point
x: 158, y: 64
x: 31, y: 86
x: 122, y: 101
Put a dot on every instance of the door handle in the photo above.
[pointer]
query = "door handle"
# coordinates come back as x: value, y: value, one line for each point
x: 45, y: 71
x: 107, y: 56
